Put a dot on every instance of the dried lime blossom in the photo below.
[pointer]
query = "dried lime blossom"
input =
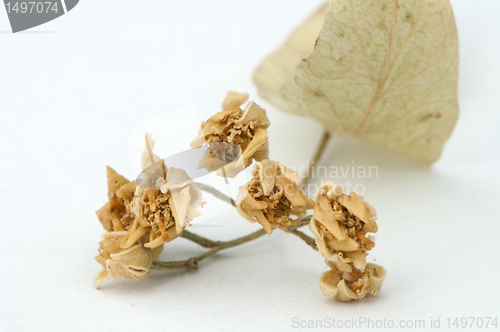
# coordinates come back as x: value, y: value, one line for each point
x: 247, y: 129
x: 165, y: 206
x: 345, y: 285
x: 114, y: 215
x: 340, y: 224
x: 272, y: 196
x: 130, y: 264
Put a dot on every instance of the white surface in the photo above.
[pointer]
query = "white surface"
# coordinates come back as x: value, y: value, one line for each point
x: 70, y: 99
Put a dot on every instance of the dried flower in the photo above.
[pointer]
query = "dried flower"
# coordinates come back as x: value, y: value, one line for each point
x: 164, y: 210
x: 340, y: 223
x: 130, y: 264
x: 114, y: 215
x: 246, y: 129
x: 349, y: 285
x: 272, y: 196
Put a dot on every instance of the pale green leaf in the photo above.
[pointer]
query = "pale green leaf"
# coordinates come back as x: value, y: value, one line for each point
x: 385, y: 71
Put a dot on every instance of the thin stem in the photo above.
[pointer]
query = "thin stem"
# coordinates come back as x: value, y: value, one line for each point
x: 175, y: 265
x: 207, y: 243
x: 193, y: 261
x: 216, y: 193
x: 316, y: 157
x: 202, y: 241
x: 216, y: 246
x: 307, y: 239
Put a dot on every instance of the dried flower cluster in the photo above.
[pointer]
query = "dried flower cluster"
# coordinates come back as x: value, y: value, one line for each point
x: 340, y: 223
x: 141, y: 216
x: 246, y: 129
x: 139, y: 220
x: 272, y: 196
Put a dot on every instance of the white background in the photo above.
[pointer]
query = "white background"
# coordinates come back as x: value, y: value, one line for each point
x: 73, y: 90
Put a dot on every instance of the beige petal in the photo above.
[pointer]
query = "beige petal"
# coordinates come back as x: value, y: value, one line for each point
x: 115, y: 180
x: 234, y: 100
x: 261, y: 219
x: 309, y: 202
x: 331, y: 190
x: 218, y: 118
x: 156, y: 252
x: 358, y: 258
x: 244, y: 213
x: 117, y: 225
x: 371, y: 226
x: 328, y: 282
x: 323, y: 212
x: 196, y: 197
x: 101, y: 277
x: 262, y: 153
x: 291, y: 191
x: 345, y: 245
x: 265, y: 171
x: 134, y: 233
x: 377, y: 274
x: 254, y: 112
x: 191, y: 214
x: 251, y: 204
x: 242, y: 194
x: 232, y: 169
x: 178, y: 225
x: 148, y: 154
x: 158, y: 241
x: 181, y: 199
x: 178, y: 178
x: 127, y: 191
x: 288, y: 173
x: 105, y: 217
x: 111, y: 235
x: 340, y: 263
x: 332, y: 285
x: 357, y: 206
x: 319, y: 237
x: 259, y: 140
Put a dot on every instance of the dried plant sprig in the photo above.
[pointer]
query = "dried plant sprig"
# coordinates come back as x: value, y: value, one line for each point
x: 141, y: 217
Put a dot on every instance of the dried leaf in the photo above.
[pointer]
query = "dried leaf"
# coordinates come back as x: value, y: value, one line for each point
x: 384, y: 71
